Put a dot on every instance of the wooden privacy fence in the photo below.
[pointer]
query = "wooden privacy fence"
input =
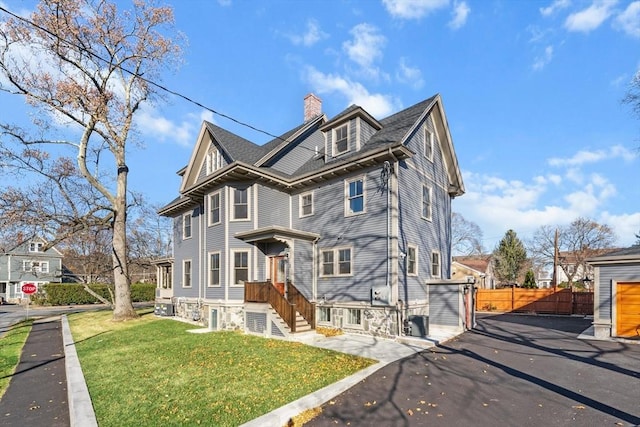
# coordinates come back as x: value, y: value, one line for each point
x: 542, y: 301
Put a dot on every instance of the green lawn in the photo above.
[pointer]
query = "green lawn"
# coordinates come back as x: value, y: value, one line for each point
x: 151, y: 372
x: 10, y: 349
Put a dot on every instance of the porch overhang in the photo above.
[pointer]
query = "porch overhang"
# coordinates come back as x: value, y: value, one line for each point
x: 275, y: 233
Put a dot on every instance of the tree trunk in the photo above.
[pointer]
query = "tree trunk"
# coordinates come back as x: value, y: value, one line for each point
x: 123, y: 309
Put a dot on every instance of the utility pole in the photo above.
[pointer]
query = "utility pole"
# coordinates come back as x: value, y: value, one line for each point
x: 554, y: 279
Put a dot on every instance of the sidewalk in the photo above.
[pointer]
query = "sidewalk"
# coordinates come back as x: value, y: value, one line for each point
x: 37, y: 393
x: 40, y: 394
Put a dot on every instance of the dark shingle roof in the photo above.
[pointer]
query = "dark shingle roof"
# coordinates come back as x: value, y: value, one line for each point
x: 235, y: 146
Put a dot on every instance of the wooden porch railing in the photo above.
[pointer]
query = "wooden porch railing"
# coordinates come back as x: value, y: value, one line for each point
x: 265, y: 292
x: 306, y: 308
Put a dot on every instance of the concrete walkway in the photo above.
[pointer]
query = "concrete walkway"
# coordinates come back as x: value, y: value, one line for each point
x: 384, y: 350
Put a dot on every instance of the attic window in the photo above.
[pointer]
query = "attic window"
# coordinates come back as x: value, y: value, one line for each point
x: 214, y: 160
x: 428, y: 143
x: 35, y: 246
x: 341, y: 139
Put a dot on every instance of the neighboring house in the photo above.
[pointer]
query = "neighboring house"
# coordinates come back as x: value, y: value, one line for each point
x: 573, y: 266
x: 616, y: 277
x: 28, y: 262
x: 479, y: 267
x: 341, y: 222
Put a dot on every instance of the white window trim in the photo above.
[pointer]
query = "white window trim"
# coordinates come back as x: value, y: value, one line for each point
x: 213, y: 160
x: 232, y: 262
x: 439, y: 272
x: 336, y: 261
x: 430, y: 213
x: 300, y: 198
x: 347, y: 210
x: 348, y: 315
x: 334, y: 141
x: 38, y: 246
x: 324, y: 322
x: 429, y: 139
x: 184, y: 276
x: 219, y: 194
x: 184, y: 226
x: 415, y: 261
x: 209, y: 285
x: 232, y: 201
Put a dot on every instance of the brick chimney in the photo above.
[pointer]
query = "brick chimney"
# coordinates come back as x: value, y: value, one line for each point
x: 312, y: 107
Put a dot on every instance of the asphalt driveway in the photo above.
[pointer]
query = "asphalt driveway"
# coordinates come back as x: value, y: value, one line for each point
x: 513, y: 370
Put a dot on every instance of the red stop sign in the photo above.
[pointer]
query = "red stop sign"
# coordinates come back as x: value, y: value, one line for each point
x: 29, y: 288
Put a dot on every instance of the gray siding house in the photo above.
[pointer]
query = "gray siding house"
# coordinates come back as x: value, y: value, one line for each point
x: 28, y: 262
x: 341, y: 222
x: 616, y: 278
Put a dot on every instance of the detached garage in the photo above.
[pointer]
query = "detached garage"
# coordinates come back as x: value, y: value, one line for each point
x: 617, y: 294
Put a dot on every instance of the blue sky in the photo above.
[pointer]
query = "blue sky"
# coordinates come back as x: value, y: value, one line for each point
x: 532, y: 90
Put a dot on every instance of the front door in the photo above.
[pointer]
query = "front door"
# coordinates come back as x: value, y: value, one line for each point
x: 278, y: 272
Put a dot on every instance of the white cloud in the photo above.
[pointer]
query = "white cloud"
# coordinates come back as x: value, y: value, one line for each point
x: 377, y: 104
x: 409, y: 75
x: 312, y: 35
x: 585, y: 157
x: 151, y: 124
x: 413, y: 9
x: 525, y: 207
x: 554, y: 7
x: 544, y: 59
x: 626, y: 226
x: 629, y: 20
x: 590, y: 18
x: 224, y: 3
x: 460, y: 14
x: 366, y: 47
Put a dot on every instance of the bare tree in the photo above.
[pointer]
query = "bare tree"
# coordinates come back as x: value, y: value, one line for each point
x: 582, y: 239
x: 633, y: 94
x: 466, y: 236
x: 79, y: 64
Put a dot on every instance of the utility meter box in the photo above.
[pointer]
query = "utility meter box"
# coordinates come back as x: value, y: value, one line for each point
x: 380, y: 295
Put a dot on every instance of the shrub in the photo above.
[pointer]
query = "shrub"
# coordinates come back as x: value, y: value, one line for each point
x: 66, y: 294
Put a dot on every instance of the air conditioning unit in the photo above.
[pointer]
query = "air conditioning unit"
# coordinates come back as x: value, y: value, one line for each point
x: 417, y: 326
x: 164, y: 309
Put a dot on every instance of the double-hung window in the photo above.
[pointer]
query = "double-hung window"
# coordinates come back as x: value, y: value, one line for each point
x: 240, y: 267
x: 214, y: 208
x: 186, y: 226
x: 337, y: 262
x: 306, y: 204
x: 186, y: 273
x: 341, y: 139
x: 412, y: 260
x: 214, y: 160
x: 435, y: 264
x: 240, y: 203
x: 36, y: 266
x: 354, y: 200
x: 214, y: 269
x: 426, y: 202
x: 428, y: 143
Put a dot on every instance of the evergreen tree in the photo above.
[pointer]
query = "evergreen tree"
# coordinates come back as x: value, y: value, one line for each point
x: 529, y: 280
x: 509, y: 258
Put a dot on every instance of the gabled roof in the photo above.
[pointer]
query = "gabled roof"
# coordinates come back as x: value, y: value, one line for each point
x: 477, y: 262
x: 248, y: 161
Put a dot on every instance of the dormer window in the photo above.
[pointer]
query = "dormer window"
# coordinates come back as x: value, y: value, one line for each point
x: 35, y: 246
x: 341, y: 139
x: 214, y: 160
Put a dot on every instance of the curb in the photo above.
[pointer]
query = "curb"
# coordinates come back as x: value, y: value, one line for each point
x: 81, y: 413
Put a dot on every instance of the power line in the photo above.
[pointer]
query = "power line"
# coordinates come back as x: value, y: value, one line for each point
x: 150, y: 82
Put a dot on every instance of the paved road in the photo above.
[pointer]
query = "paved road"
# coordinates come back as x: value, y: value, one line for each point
x: 512, y: 371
